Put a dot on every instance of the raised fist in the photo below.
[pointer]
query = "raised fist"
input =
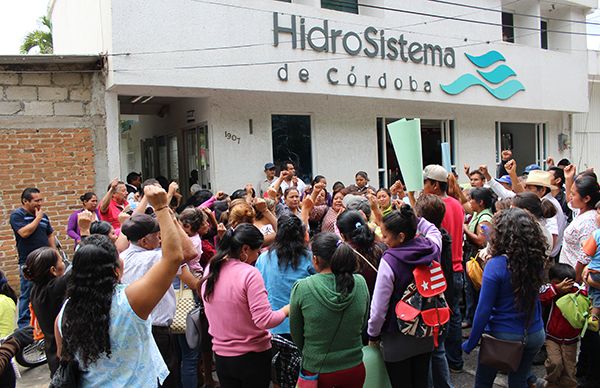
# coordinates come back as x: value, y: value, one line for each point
x: 507, y: 155
x: 84, y: 219
x: 511, y: 166
x: 157, y: 196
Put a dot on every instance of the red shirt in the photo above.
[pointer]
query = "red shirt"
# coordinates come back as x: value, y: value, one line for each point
x: 208, y: 251
x: 453, y: 223
x: 112, y: 214
x: 558, y: 329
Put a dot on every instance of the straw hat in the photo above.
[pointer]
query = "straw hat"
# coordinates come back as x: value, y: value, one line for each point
x: 540, y: 178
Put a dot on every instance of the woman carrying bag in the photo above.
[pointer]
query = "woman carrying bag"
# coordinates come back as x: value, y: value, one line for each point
x: 511, y: 282
x: 327, y: 314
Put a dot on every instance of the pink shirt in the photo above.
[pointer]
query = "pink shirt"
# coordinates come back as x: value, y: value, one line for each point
x: 194, y: 264
x: 239, y: 312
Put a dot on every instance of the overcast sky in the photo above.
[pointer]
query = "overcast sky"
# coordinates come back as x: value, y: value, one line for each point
x: 18, y: 17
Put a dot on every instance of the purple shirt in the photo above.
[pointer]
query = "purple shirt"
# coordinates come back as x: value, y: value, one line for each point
x: 73, y: 228
x: 423, y: 249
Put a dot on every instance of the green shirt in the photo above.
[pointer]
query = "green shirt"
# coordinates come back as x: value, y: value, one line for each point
x: 8, y: 311
x: 316, y: 309
x: 483, y: 216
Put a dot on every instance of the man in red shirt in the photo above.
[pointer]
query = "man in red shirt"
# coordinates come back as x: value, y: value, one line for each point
x: 436, y: 182
x: 113, y: 203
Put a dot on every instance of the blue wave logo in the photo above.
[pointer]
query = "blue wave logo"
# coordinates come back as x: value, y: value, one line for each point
x: 495, y: 77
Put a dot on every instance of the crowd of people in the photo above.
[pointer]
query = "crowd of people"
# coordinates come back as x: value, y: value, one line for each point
x: 296, y: 278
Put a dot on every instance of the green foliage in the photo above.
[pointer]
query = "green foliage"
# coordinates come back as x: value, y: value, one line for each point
x: 39, y: 38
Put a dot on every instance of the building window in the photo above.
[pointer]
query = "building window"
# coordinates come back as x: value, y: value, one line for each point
x: 544, y: 34
x: 508, y: 27
x: 341, y: 5
x: 291, y: 140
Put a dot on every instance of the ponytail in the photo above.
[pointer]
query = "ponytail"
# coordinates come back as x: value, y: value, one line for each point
x: 230, y: 246
x: 343, y: 266
x: 339, y: 256
x: 357, y: 232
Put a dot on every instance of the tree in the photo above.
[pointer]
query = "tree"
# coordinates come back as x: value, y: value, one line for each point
x: 39, y: 38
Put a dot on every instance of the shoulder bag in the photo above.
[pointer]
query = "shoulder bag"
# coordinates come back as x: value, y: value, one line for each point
x: 193, y: 326
x: 185, y: 304
x: 503, y: 355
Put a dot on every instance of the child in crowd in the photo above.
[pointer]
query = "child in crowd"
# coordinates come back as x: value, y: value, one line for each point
x: 561, y: 337
x: 192, y: 220
x: 592, y: 249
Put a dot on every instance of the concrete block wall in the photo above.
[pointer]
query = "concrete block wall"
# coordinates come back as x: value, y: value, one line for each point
x: 46, y: 94
x: 50, y: 126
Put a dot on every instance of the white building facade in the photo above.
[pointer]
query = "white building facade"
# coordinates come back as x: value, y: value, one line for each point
x: 224, y: 86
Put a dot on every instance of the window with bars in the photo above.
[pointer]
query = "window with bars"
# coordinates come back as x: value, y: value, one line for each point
x: 341, y: 5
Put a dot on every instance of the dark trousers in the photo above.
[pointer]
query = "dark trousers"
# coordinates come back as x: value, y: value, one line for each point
x: 454, y: 336
x: 588, y: 370
x: 8, y: 378
x: 410, y: 373
x: 169, y: 349
x: 250, y: 370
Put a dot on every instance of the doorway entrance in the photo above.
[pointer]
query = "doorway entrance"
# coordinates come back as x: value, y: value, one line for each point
x: 433, y: 134
x: 527, y: 141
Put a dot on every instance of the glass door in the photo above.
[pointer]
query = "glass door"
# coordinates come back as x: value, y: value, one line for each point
x: 433, y: 133
x: 197, y: 164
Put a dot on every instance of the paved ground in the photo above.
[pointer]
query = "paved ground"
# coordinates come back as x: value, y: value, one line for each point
x: 34, y: 378
x: 39, y: 377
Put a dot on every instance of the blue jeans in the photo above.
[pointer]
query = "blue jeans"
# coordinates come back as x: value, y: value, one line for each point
x: 485, y: 375
x: 439, y: 374
x: 189, y: 363
x: 24, y: 315
x: 453, y: 341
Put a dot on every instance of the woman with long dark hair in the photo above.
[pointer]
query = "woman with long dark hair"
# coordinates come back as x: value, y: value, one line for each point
x: 585, y: 193
x: 45, y: 268
x: 411, y: 242
x: 327, y: 313
x: 509, y: 307
x: 90, y: 203
x: 355, y: 231
x: 287, y: 260
x: 104, y: 325
x: 238, y: 310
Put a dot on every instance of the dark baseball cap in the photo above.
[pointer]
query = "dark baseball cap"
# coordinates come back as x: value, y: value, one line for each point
x: 139, y: 226
x: 269, y: 166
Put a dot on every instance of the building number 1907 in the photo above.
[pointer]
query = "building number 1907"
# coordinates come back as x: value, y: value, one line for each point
x: 232, y: 137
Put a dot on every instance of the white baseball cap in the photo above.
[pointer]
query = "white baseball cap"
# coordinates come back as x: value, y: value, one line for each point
x: 435, y: 172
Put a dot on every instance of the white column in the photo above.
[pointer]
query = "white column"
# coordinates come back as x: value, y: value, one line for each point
x: 529, y: 36
x: 113, y: 153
